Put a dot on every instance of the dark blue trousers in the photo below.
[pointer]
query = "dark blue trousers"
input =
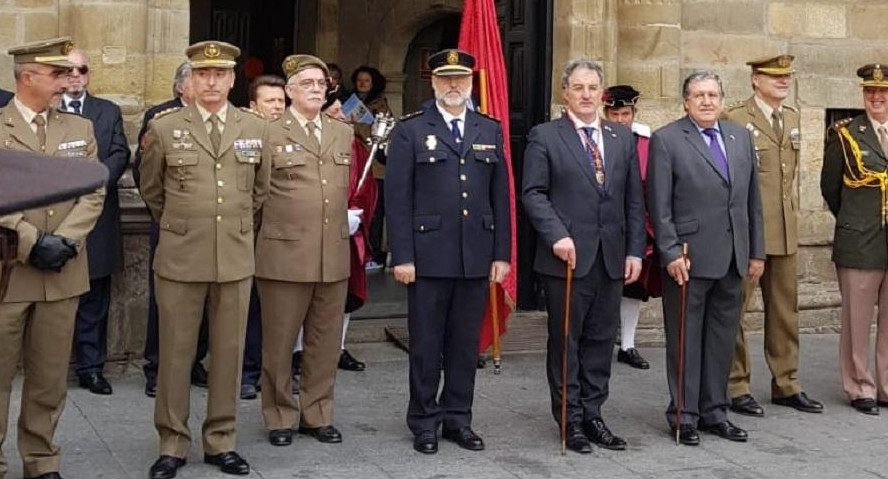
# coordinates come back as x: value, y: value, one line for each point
x: 252, y: 367
x: 91, y: 327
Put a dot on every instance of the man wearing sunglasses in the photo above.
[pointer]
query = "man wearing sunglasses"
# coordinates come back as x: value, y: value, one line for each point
x: 105, y: 243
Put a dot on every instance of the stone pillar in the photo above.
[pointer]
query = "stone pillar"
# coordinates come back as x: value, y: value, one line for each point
x: 328, y: 30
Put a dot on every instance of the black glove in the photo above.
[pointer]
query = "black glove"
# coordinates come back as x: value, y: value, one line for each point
x: 51, y: 252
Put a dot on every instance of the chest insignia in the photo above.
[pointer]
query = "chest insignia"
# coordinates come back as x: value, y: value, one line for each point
x: 431, y: 142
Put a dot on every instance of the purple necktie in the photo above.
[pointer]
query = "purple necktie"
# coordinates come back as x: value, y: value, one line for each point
x: 717, y: 154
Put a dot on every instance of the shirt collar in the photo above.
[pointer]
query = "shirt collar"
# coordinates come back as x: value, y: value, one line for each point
x: 27, y: 113
x: 766, y: 109
x: 206, y: 114
x: 303, y: 121
x: 577, y: 123
x: 449, y: 117
x: 716, y: 127
x: 876, y: 124
x: 67, y: 100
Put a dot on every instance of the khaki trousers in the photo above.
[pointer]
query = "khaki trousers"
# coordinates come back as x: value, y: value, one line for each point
x: 287, y: 307
x: 861, y: 290
x: 180, y: 310
x: 781, y: 327
x: 41, y: 334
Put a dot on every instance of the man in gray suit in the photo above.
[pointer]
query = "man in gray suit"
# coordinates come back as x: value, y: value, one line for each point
x: 582, y: 193
x: 702, y: 190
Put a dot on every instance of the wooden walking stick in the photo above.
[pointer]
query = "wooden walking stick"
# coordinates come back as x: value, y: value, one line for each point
x: 566, y: 328
x: 681, y: 345
x: 494, y: 309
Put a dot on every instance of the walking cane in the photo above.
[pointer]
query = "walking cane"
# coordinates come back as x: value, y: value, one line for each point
x: 564, y: 360
x: 494, y: 309
x: 681, y: 345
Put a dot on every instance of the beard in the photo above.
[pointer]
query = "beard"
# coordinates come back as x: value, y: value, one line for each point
x: 453, y: 101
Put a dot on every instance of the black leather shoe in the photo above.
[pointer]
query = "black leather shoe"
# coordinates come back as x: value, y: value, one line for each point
x: 482, y: 363
x: 598, y: 433
x: 48, y: 475
x: 199, y: 376
x: 881, y: 403
x: 96, y: 383
x: 297, y: 363
x: 726, y: 430
x: 151, y: 387
x: 248, y: 391
x: 801, y: 402
x: 165, y: 467
x: 348, y: 362
x: 325, y: 434
x: 425, y: 442
x: 866, y: 406
x: 747, y: 406
x: 577, y: 440
x: 280, y: 437
x: 464, y: 438
x: 687, y: 435
x: 229, y: 462
x: 632, y: 358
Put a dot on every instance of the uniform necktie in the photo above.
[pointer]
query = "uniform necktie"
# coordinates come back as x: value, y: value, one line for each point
x: 312, y: 137
x: 74, y: 105
x: 215, y: 134
x: 883, y: 140
x: 594, y: 155
x: 41, y: 130
x: 457, y: 136
x: 717, y: 154
x: 777, y: 124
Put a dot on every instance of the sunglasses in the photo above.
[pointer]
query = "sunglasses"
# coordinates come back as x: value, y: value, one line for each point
x: 83, y: 69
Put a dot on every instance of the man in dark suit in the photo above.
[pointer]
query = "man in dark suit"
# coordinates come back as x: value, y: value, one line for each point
x: 581, y: 180
x: 104, y: 244
x: 182, y: 94
x: 703, y: 192
x: 447, y: 206
x: 5, y: 97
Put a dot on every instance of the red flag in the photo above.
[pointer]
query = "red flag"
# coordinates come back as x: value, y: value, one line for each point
x: 479, y: 35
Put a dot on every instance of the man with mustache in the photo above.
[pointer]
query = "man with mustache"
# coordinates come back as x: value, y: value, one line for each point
x: 37, y: 314
x: 853, y: 183
x: 447, y: 204
x: 302, y: 256
x: 204, y: 175
x: 703, y: 192
x: 775, y: 130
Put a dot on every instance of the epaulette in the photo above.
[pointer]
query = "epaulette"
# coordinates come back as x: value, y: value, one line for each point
x: 835, y: 127
x: 791, y: 108
x: 487, y: 116
x: 59, y: 110
x: 166, y: 112
x: 331, y: 117
x: 252, y: 111
x: 735, y: 105
x: 410, y: 116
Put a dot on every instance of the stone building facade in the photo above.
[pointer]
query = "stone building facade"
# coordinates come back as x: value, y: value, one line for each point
x: 135, y: 46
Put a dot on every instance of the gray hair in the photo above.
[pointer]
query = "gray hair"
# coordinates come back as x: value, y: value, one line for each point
x: 182, y: 74
x: 577, y: 64
x: 698, y: 76
x: 17, y: 70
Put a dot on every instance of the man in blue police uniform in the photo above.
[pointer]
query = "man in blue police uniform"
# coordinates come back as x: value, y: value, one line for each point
x: 447, y: 205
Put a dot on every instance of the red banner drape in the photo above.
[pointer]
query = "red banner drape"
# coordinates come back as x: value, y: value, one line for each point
x: 479, y: 35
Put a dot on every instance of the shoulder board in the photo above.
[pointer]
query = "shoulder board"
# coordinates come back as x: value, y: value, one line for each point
x: 791, y: 108
x: 736, y: 105
x: 331, y: 117
x: 163, y: 113
x: 841, y: 124
x: 485, y: 115
x: 411, y: 115
x: 251, y: 111
x: 59, y: 110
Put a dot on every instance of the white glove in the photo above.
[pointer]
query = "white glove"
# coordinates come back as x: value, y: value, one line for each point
x: 354, y: 220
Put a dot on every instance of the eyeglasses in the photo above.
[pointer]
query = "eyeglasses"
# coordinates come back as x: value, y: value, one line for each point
x: 307, y: 84
x: 82, y: 69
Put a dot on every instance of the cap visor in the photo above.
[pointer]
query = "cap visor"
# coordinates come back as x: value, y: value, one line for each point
x: 452, y: 71
x: 880, y: 84
x: 213, y: 64
x: 775, y: 71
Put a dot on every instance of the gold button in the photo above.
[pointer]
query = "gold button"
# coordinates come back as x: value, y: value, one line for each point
x: 326, y: 221
x: 462, y: 161
x: 50, y: 213
x: 462, y: 177
x: 326, y: 201
x: 218, y: 166
x: 218, y: 219
x: 465, y: 212
x: 219, y: 200
x: 180, y: 161
x: 487, y: 160
x: 323, y: 182
x: 491, y: 226
x: 220, y: 183
x: 421, y: 227
x: 289, y: 162
x: 432, y: 159
x: 465, y: 194
x: 320, y: 162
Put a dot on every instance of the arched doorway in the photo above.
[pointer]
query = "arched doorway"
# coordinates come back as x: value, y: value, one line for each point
x: 442, y: 33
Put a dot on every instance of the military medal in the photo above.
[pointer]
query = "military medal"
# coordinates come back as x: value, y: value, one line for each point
x: 177, y: 134
x: 431, y: 142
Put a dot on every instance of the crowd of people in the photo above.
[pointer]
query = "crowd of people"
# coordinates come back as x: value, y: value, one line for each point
x: 262, y: 231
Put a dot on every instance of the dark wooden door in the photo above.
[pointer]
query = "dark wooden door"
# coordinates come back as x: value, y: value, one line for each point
x: 525, y: 26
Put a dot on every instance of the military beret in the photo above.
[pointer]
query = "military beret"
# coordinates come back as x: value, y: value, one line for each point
x: 872, y: 75
x: 619, y: 96
x: 778, y: 65
x: 294, y: 64
x: 53, y: 52
x: 212, y: 54
x: 451, y: 62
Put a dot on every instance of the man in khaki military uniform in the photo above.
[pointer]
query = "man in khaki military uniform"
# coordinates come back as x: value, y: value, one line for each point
x: 302, y: 256
x: 37, y: 315
x: 775, y: 130
x: 204, y: 174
